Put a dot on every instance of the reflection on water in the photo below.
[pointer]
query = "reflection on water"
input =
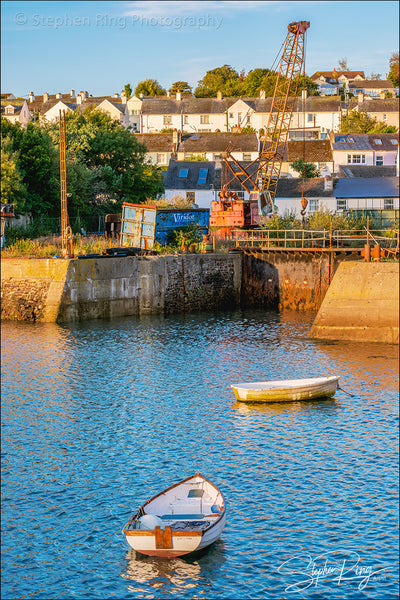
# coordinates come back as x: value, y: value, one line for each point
x: 175, y: 573
x: 99, y: 416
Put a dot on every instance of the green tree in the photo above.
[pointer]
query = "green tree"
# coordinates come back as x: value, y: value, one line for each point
x: 128, y: 90
x: 361, y: 122
x: 222, y: 79
x: 149, y: 87
x: 306, y: 170
x: 13, y: 190
x: 253, y: 81
x: 180, y: 86
x: 106, y: 163
x: 394, y: 69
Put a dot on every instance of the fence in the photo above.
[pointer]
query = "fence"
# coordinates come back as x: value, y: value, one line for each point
x: 308, y: 239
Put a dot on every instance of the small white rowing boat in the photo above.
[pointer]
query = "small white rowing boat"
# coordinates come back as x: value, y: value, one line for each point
x: 186, y: 517
x: 286, y: 391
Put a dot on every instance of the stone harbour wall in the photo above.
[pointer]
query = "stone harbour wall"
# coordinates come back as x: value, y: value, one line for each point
x: 94, y: 288
x: 362, y: 304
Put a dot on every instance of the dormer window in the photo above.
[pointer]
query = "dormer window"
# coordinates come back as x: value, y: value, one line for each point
x: 394, y: 142
x: 378, y: 142
x: 183, y: 173
x: 351, y: 140
x: 342, y: 140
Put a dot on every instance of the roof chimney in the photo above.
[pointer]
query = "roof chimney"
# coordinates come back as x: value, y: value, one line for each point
x: 116, y: 95
x: 79, y: 99
x: 58, y: 96
x: 360, y: 97
x: 31, y: 97
x: 123, y: 97
x: 141, y: 95
x: 328, y: 184
x: 219, y: 95
x: 178, y: 96
x: 262, y: 94
x: 304, y: 94
x: 45, y: 97
x: 168, y: 93
x: 72, y: 93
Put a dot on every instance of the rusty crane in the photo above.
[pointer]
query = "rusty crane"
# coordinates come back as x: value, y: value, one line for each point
x: 260, y: 177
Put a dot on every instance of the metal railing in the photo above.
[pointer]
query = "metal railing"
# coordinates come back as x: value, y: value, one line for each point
x: 318, y: 239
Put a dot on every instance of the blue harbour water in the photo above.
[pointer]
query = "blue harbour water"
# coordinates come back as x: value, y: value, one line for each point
x: 99, y: 416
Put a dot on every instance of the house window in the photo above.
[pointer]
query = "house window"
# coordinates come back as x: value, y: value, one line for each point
x: 378, y: 142
x: 246, y: 155
x: 351, y: 140
x: 388, y: 203
x: 183, y: 173
x: 322, y: 166
x: 385, y: 117
x: 185, y: 120
x: 239, y: 118
x: 202, y: 176
x: 204, y: 119
x: 167, y: 120
x: 248, y: 119
x: 341, y: 204
x: 379, y: 161
x: 356, y: 159
x: 310, y: 118
x: 133, y: 112
x: 394, y: 142
x: 342, y: 140
x: 313, y: 204
x: 217, y: 156
x: 191, y: 197
x: 9, y: 111
x: 161, y: 159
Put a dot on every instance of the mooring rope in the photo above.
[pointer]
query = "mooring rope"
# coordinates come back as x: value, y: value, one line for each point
x: 348, y: 393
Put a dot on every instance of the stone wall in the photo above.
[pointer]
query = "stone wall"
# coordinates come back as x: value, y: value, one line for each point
x: 95, y: 288
x: 362, y: 304
x: 293, y: 280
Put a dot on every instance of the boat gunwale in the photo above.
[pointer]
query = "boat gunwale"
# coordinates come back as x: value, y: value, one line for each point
x: 219, y: 515
x: 293, y: 384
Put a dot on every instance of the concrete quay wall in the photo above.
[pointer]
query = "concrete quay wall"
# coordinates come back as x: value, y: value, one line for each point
x: 361, y: 304
x: 94, y: 288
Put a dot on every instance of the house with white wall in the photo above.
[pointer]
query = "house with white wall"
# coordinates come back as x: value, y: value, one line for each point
x: 161, y: 147
x: 316, y: 152
x: 375, y: 88
x: 384, y: 110
x: 192, y: 180
x: 377, y: 149
x: 16, y: 113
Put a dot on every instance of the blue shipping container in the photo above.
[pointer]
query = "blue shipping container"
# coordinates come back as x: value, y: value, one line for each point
x: 144, y: 225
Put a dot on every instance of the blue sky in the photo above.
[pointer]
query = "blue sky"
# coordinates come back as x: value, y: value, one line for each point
x: 100, y: 46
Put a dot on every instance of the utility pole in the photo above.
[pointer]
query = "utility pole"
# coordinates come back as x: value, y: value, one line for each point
x: 66, y: 233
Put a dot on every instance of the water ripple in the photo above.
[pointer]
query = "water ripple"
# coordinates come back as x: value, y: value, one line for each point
x: 98, y: 416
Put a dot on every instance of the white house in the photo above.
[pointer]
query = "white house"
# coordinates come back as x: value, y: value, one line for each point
x: 378, y: 149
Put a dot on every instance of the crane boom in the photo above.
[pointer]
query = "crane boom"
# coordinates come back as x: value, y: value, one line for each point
x: 260, y: 177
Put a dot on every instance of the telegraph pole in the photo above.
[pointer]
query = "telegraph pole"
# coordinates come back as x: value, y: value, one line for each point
x: 66, y: 234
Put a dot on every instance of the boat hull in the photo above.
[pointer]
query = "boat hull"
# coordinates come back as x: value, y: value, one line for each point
x: 184, y: 518
x: 295, y: 390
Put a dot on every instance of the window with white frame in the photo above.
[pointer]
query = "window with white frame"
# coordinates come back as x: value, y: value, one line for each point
x: 161, y: 159
x: 204, y: 119
x: 310, y: 118
x: 356, y: 159
x: 385, y: 117
x: 246, y: 155
x: 379, y: 161
x: 185, y: 120
x: 231, y: 115
x: 388, y: 203
x: 191, y: 196
x: 341, y: 203
x: 313, y: 204
x: 167, y: 120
